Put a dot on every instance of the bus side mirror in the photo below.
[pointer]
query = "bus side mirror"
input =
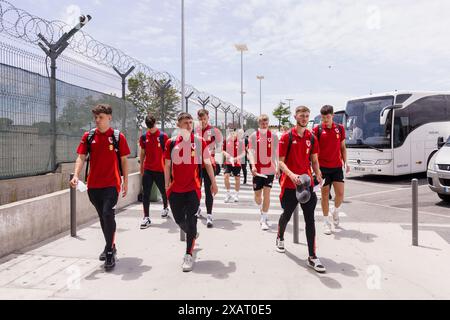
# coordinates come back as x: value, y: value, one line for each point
x: 384, y: 114
x: 440, y: 142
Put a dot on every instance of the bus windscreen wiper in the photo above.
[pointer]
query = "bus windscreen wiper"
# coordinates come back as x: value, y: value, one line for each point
x: 372, y: 147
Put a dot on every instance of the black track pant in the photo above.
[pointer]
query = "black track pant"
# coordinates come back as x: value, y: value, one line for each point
x: 289, y: 203
x: 147, y: 183
x: 209, y: 199
x: 244, y: 170
x: 104, y: 201
x: 184, y: 208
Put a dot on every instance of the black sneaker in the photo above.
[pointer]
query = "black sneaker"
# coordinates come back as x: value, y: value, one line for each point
x: 110, y: 261
x: 102, y: 256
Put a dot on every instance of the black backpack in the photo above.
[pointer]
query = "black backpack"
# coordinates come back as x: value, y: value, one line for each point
x: 291, y: 138
x: 198, y: 148
x: 160, y: 138
x: 290, y: 143
x: 115, y: 138
x: 320, y: 129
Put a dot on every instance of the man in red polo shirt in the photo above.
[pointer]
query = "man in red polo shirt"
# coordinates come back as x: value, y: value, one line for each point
x: 262, y: 155
x: 298, y: 151
x: 105, y: 147
x: 213, y: 139
x: 152, y: 167
x: 184, y: 156
x: 233, y: 151
x: 332, y: 157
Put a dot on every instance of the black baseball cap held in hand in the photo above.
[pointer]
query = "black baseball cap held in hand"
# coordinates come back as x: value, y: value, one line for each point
x: 303, y: 191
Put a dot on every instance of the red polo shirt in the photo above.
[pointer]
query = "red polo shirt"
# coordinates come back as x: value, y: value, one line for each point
x: 104, y: 167
x: 185, y: 169
x: 330, y: 145
x: 154, y: 156
x: 264, y: 147
x: 298, y: 160
x: 233, y: 148
x: 212, y: 136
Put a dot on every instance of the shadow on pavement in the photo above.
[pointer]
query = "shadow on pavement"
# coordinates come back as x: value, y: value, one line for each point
x: 169, y: 223
x: 217, y: 269
x: 354, y: 234
x: 396, y: 180
x: 327, y: 281
x: 118, y: 230
x: 223, y: 224
x: 129, y: 268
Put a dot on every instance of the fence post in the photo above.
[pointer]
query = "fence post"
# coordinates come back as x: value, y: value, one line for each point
x: 415, y: 212
x: 296, y: 231
x: 73, y: 209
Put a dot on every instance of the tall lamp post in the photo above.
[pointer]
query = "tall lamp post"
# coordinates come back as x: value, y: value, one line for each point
x: 241, y: 48
x: 260, y: 78
x: 183, y: 79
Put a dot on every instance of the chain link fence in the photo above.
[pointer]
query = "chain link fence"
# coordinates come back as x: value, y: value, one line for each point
x: 25, y: 132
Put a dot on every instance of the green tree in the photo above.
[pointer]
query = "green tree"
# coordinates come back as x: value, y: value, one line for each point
x: 145, y: 95
x: 282, y: 113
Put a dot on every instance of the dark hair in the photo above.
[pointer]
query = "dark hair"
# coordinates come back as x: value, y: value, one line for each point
x: 202, y: 112
x: 302, y: 109
x: 326, y: 109
x: 102, y: 108
x: 184, y: 115
x: 150, y: 121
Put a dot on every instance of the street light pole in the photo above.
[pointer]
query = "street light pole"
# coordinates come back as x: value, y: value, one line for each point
x: 183, y: 79
x: 242, y: 48
x: 289, y: 100
x: 260, y: 78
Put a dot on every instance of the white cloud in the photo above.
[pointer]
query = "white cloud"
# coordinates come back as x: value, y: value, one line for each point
x: 72, y: 14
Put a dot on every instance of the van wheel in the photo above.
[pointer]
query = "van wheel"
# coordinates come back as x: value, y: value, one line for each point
x: 444, y: 197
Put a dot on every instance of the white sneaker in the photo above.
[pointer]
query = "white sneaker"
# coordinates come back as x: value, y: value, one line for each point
x: 327, y: 226
x: 228, y: 198
x: 280, y: 246
x: 199, y: 213
x: 209, y: 221
x: 165, y: 213
x: 145, y: 223
x: 264, y: 223
x: 316, y: 265
x: 188, y: 263
x: 335, y: 215
x: 236, y: 198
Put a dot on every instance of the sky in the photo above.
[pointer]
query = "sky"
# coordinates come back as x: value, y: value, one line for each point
x: 316, y: 52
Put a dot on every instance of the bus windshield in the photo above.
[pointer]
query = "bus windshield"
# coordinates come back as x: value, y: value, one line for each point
x: 363, y: 123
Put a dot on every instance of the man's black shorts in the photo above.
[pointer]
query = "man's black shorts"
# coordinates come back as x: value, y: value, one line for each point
x: 260, y: 182
x: 235, y: 171
x: 331, y: 175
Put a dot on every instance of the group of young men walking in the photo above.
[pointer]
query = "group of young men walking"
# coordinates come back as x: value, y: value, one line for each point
x: 179, y: 166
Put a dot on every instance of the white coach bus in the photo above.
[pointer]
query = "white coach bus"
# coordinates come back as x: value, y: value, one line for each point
x: 395, y: 133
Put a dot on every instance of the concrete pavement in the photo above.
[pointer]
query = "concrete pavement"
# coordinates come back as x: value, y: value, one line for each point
x: 369, y: 257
